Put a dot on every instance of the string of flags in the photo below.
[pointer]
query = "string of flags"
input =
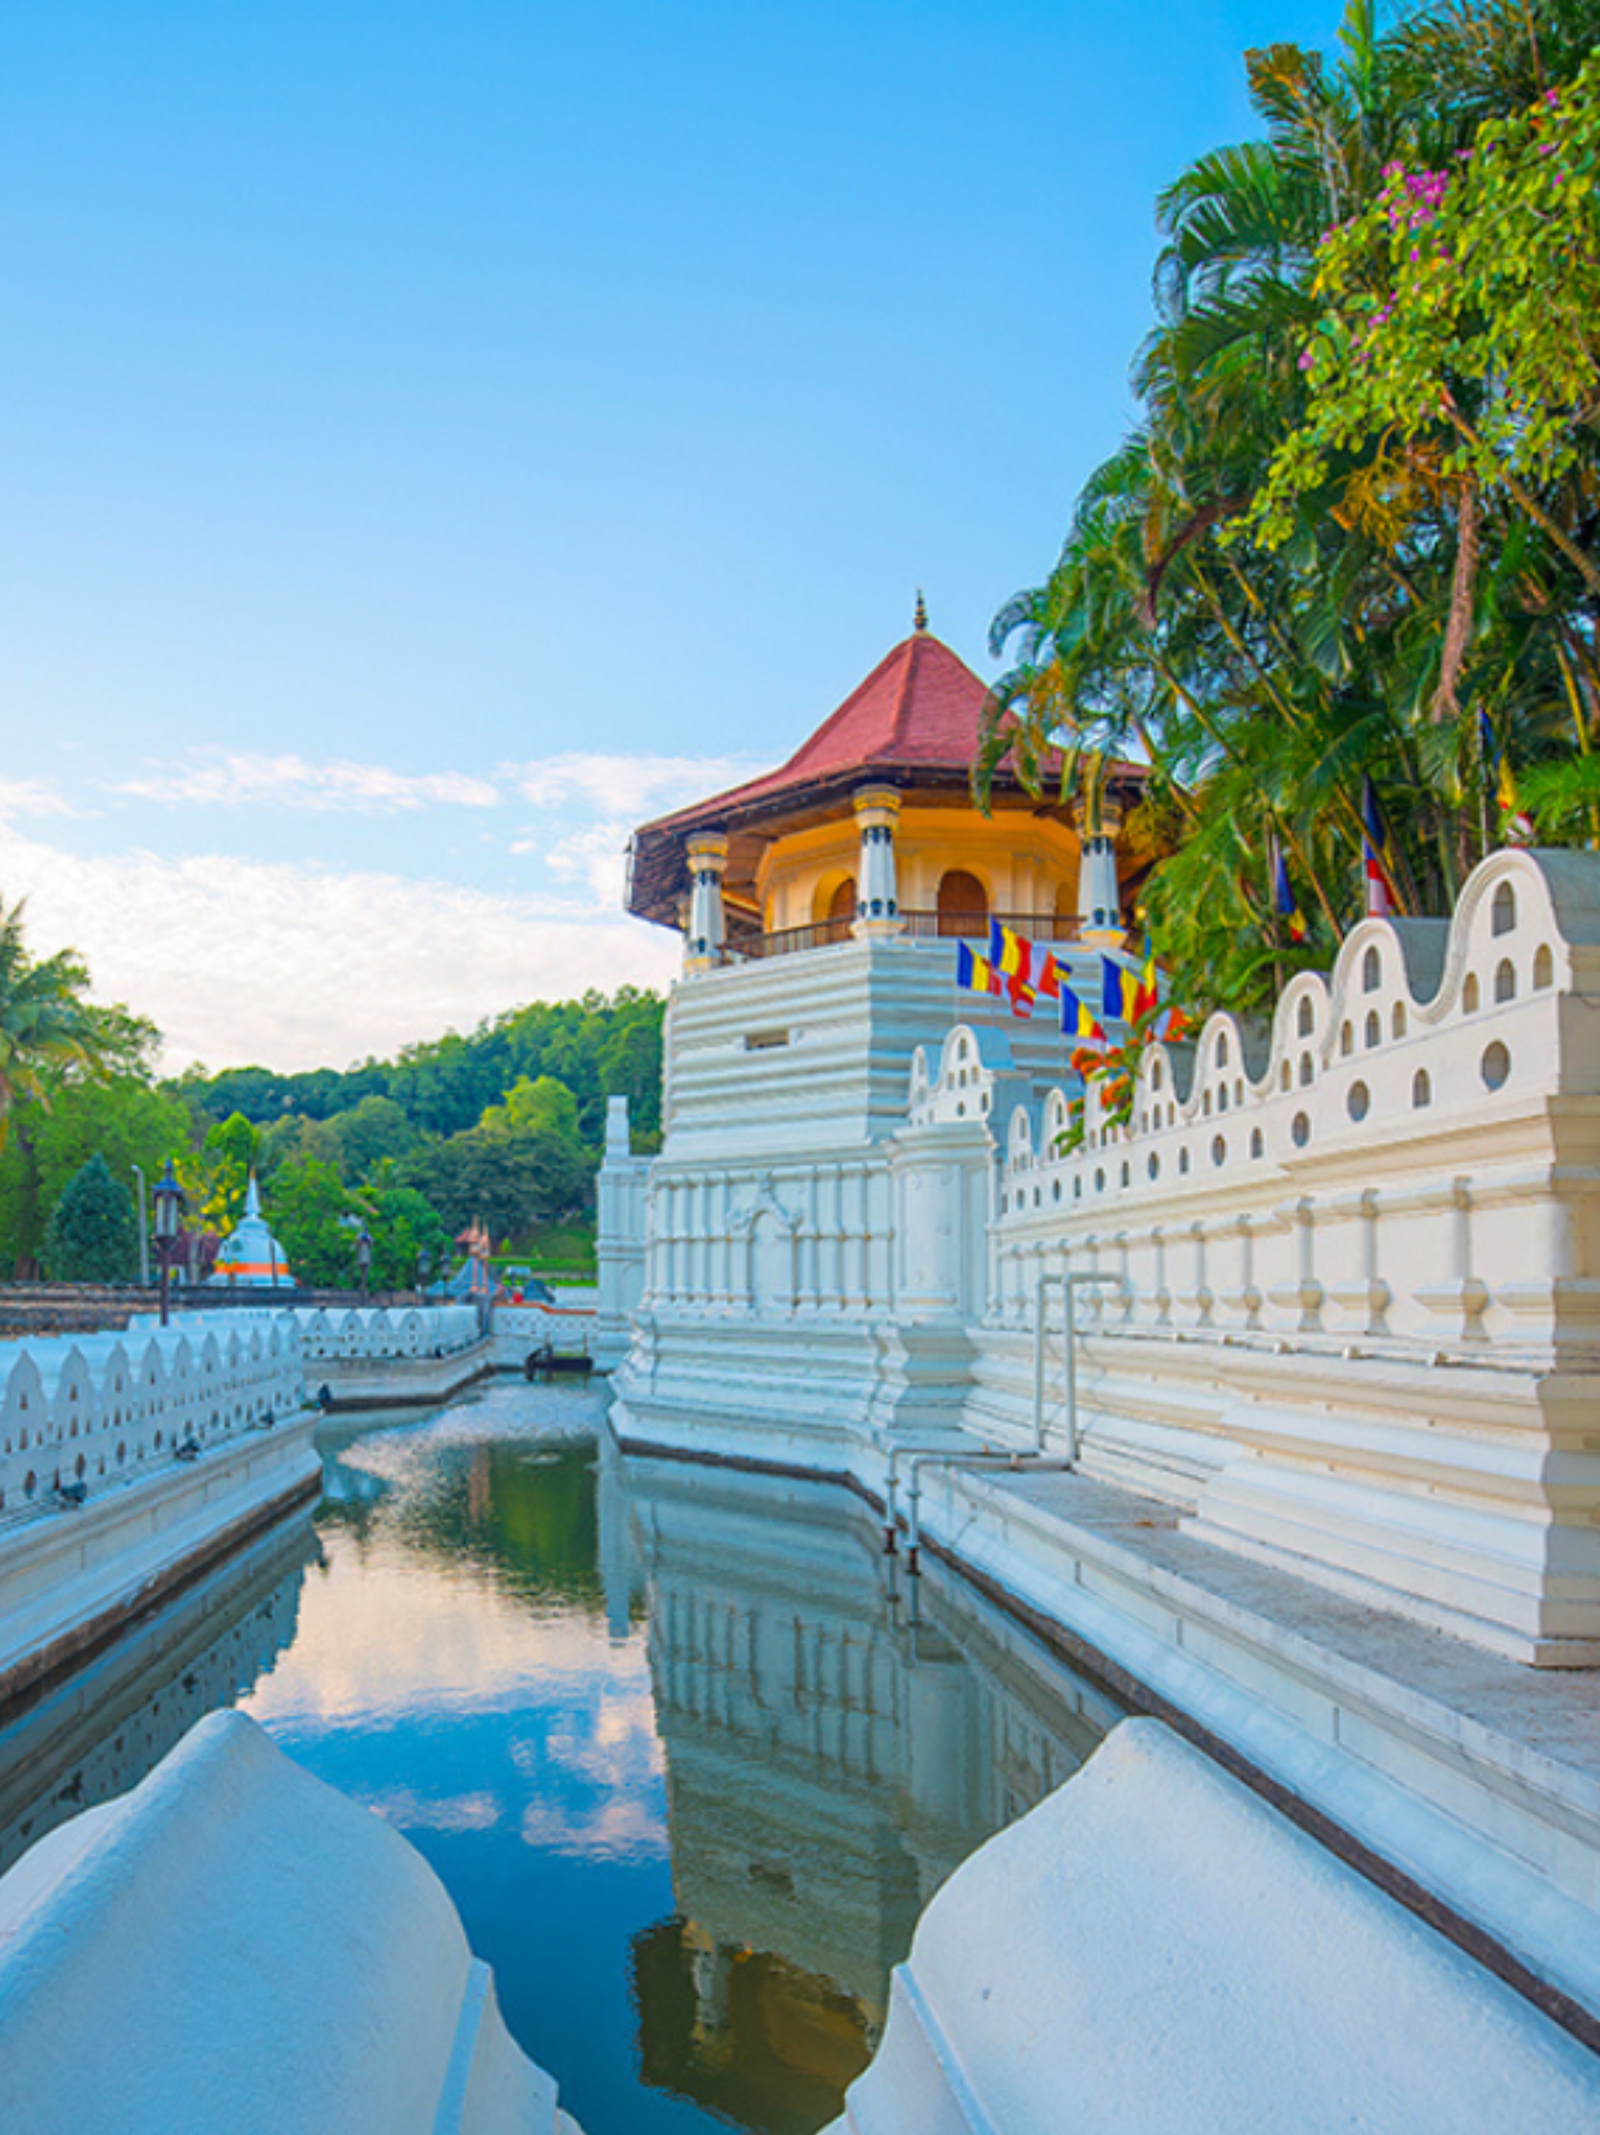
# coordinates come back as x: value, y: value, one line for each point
x: 1022, y: 973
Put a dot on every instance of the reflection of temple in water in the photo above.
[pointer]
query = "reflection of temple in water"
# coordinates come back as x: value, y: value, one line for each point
x: 99, y: 1731
x: 832, y: 1755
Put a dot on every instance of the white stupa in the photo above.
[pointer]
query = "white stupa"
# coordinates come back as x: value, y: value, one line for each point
x: 251, y: 1257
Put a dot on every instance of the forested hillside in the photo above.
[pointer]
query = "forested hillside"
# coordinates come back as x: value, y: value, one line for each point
x: 503, y: 1125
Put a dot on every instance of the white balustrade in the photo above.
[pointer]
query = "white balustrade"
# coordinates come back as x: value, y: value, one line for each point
x: 93, y: 1410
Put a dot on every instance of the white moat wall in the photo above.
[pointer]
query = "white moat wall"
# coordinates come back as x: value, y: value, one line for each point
x: 178, y: 1440
x: 1356, y: 1320
x: 1352, y: 1346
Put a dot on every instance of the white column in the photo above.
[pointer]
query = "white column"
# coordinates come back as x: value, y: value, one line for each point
x: 1099, y: 899
x: 877, y: 899
x: 708, y: 858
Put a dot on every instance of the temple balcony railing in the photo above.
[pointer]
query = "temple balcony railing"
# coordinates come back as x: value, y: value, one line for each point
x: 971, y: 927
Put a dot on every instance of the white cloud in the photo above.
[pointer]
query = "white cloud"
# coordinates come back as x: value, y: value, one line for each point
x: 598, y: 858
x: 624, y: 791
x: 25, y: 796
x: 293, y: 782
x: 296, y: 966
x: 627, y: 789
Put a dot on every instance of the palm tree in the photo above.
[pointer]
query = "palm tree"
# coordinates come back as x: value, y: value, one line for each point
x: 1402, y: 607
x: 47, y: 1027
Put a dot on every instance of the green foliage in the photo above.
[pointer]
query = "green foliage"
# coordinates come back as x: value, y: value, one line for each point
x: 509, y: 1182
x: 543, y: 1107
x: 50, y: 1033
x: 306, y: 1208
x: 217, y: 1178
x: 1354, y: 527
x: 372, y: 1132
x: 91, y: 1235
x: 124, y: 1119
x: 1459, y: 334
x: 597, y: 1047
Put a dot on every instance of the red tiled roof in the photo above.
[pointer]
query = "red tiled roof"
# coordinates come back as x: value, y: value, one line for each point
x: 918, y: 707
x: 915, y: 719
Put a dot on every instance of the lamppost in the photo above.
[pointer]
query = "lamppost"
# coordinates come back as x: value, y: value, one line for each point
x: 169, y: 1198
x: 364, y: 1259
x: 424, y: 1263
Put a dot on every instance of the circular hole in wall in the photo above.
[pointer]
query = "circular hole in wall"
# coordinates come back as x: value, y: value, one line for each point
x: 1358, y: 1100
x: 1219, y: 1149
x: 1495, y: 1065
x: 1153, y: 1166
x: 1300, y: 1130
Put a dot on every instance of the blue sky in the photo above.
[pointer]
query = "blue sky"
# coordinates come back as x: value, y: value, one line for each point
x: 437, y: 436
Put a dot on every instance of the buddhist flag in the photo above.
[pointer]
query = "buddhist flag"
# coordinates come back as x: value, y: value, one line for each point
x: 1119, y: 991
x: 1148, y: 995
x: 1283, y: 899
x: 1027, y: 970
x: 1076, y: 1021
x: 1515, y: 826
x: 1377, y: 852
x: 975, y: 973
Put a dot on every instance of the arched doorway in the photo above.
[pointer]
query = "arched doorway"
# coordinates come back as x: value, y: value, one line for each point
x: 842, y: 904
x: 963, y: 903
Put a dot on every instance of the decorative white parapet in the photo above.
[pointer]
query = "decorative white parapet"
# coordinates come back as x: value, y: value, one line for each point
x: 376, y: 1334
x: 1355, y: 1319
x: 91, y: 1411
x: 128, y: 1460
x: 233, y: 1945
x: 1154, y: 1947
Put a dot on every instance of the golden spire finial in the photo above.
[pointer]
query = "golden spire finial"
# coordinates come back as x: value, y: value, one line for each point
x: 919, y: 621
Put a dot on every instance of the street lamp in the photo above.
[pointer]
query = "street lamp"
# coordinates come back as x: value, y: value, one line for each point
x: 364, y: 1259
x: 169, y: 1199
x: 424, y: 1263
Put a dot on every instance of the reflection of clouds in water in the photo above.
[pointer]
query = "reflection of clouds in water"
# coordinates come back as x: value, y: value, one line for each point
x: 384, y: 1638
x: 615, y: 1830
x: 596, y: 1774
x: 447, y: 1812
x: 612, y: 1743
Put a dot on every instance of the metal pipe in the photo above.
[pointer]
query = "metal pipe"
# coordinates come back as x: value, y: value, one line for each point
x: 1022, y: 1457
x: 144, y: 1228
x: 1071, y: 1282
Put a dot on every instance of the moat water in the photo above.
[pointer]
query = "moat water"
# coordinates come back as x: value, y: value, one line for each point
x: 687, y: 1751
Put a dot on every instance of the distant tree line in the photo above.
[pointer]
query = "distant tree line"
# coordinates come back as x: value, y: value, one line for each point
x: 503, y: 1125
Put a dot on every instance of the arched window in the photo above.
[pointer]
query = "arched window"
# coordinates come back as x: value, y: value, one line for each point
x: 963, y: 903
x: 842, y: 904
x: 1503, y: 911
